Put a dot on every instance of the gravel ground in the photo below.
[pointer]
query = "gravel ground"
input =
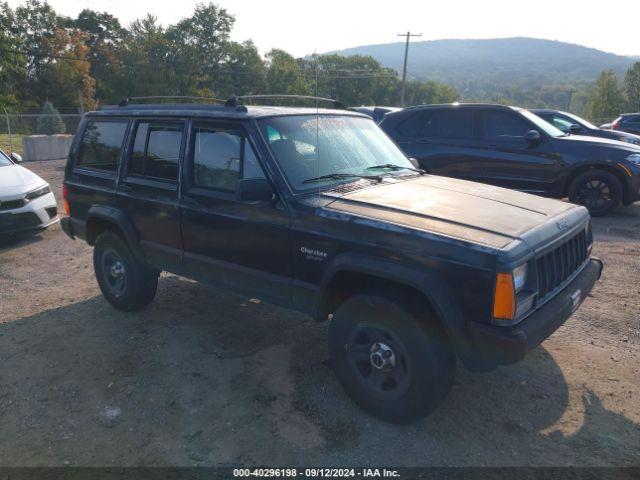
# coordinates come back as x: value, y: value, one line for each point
x: 205, y: 377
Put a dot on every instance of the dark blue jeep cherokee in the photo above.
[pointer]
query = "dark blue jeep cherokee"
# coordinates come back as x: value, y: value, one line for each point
x: 318, y: 210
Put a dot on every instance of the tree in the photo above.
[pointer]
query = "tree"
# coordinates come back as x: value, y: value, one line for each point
x: 285, y: 75
x: 13, y: 72
x: 606, y: 99
x: 632, y: 87
x: 67, y: 76
x: 50, y: 122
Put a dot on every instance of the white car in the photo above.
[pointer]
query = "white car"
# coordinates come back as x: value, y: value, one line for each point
x: 26, y: 201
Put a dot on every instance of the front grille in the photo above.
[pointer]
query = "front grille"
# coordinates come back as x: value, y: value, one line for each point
x: 19, y: 221
x: 559, y: 264
x: 12, y: 204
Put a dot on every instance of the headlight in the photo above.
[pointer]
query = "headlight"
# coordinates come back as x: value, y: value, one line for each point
x: 38, y: 193
x: 634, y: 158
x: 519, y: 277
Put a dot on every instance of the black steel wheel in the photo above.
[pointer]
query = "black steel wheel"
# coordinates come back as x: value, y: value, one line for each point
x: 125, y: 281
x: 394, y: 360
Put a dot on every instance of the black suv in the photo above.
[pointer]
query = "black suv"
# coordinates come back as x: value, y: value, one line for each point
x: 575, y: 125
x: 511, y: 147
x: 627, y: 122
x: 319, y: 211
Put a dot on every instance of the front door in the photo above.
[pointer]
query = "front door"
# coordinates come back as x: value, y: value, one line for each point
x: 242, y: 245
x: 510, y: 160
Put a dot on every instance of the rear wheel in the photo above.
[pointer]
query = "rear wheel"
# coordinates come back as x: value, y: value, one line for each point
x: 598, y: 190
x: 125, y: 282
x: 393, y: 362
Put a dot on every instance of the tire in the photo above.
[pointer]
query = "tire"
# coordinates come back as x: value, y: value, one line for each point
x: 125, y: 282
x: 598, y: 190
x: 398, y: 387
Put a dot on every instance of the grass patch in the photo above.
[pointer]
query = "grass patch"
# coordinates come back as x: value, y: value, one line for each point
x: 5, y: 143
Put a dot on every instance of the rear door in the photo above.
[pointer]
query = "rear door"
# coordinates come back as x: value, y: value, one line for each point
x: 239, y: 244
x: 148, y: 192
x: 444, y: 141
x: 510, y: 160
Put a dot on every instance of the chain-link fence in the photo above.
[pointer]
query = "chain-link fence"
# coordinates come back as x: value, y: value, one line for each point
x: 13, y: 127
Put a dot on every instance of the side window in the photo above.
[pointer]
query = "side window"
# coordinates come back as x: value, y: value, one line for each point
x: 450, y: 124
x: 413, y: 125
x: 101, y: 145
x: 156, y: 150
x: 504, y: 126
x: 562, y: 123
x: 634, y: 120
x: 220, y: 155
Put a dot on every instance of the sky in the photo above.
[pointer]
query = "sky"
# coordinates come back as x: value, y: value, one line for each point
x: 303, y: 27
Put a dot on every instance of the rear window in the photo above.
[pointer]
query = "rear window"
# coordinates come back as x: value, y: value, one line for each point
x: 101, y: 145
x: 412, y: 125
x: 450, y: 124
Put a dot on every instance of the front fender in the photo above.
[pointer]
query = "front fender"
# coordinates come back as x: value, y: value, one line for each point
x: 428, y: 282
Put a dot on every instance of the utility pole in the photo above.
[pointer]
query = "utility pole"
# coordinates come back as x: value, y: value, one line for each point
x: 404, y: 68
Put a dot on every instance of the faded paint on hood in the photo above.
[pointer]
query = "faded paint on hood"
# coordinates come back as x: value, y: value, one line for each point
x: 469, y: 211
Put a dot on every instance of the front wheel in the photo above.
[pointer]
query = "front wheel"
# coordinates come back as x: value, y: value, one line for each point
x: 598, y: 190
x: 126, y: 283
x: 393, y: 362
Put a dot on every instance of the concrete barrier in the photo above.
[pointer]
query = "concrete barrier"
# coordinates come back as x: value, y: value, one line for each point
x: 46, y: 147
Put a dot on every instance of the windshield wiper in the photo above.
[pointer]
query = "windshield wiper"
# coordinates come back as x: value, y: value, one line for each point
x: 336, y: 176
x: 392, y: 166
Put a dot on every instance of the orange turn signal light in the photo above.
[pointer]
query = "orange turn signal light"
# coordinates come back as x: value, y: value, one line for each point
x: 504, y: 301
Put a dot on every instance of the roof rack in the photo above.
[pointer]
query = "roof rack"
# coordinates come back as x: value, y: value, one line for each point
x: 235, y: 100
x: 129, y: 100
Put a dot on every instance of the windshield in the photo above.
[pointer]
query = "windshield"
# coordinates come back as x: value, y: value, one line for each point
x: 581, y: 121
x: 4, y: 160
x: 311, y: 146
x: 543, y: 125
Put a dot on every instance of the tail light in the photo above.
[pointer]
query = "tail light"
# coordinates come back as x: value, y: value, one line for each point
x: 65, y: 201
x: 616, y: 124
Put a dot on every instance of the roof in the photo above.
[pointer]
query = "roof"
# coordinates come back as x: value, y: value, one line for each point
x: 464, y: 105
x: 214, y: 110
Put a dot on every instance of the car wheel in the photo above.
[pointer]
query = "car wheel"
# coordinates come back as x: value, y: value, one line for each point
x: 125, y: 282
x: 393, y: 362
x: 599, y: 191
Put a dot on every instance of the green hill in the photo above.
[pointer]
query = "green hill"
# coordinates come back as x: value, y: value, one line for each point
x: 526, y: 71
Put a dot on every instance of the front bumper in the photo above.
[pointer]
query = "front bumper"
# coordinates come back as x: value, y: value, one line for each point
x: 491, y: 345
x: 36, y: 215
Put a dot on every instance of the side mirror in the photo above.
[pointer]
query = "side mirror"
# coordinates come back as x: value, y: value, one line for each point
x: 254, y: 190
x: 575, y: 129
x: 532, y: 136
x: 16, y: 158
x: 414, y: 162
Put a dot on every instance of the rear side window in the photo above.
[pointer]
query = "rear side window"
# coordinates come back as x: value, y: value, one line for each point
x: 221, y: 156
x: 156, y: 150
x: 412, y: 125
x: 450, y: 124
x: 504, y: 126
x: 101, y: 145
x: 635, y: 119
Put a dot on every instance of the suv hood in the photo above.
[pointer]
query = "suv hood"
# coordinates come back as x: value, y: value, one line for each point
x: 470, y: 211
x: 601, y: 142
x: 16, y: 180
